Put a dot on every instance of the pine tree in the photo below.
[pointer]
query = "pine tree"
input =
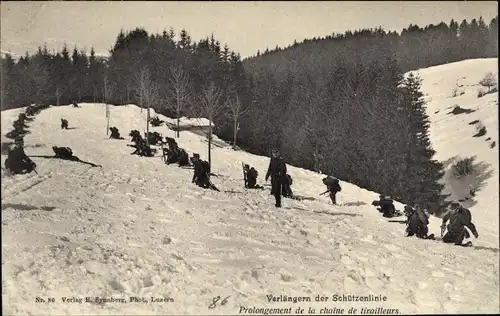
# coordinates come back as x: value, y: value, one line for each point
x: 422, y: 174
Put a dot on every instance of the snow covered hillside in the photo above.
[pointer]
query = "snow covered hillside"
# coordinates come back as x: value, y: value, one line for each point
x: 137, y: 228
x: 454, y: 136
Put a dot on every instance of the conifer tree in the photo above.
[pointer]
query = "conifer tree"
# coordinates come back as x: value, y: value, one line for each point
x: 422, y: 174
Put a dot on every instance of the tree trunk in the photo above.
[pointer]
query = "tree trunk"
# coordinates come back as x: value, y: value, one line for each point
x: 235, y: 132
x: 147, y: 128
x: 210, y: 145
x: 107, y: 119
x: 178, y: 126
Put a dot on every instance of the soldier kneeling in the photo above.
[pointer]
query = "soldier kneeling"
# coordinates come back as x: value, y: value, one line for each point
x: 17, y: 161
x: 115, y: 133
x: 417, y: 222
x: 201, y: 176
x: 460, y: 218
x: 251, y: 178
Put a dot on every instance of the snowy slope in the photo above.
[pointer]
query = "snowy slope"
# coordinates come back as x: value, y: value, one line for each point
x: 452, y: 136
x: 139, y: 228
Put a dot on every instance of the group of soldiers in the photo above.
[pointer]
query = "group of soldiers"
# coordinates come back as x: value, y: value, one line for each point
x: 17, y: 161
x: 172, y: 154
x: 455, y: 222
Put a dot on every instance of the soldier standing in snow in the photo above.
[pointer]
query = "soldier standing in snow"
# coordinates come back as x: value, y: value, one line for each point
x: 333, y: 187
x: 277, y: 172
x: 459, y: 218
x: 64, y: 124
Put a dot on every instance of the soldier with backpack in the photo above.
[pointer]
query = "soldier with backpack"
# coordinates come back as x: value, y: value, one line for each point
x: 17, y: 161
x: 64, y: 124
x: 277, y: 172
x: 115, y: 133
x: 183, y: 158
x: 333, y: 187
x: 459, y: 219
x: 386, y: 206
x: 250, y: 176
x: 417, y: 222
x: 201, y: 175
x: 286, y: 189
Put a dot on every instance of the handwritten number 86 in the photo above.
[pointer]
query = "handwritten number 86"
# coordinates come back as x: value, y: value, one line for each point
x: 217, y: 299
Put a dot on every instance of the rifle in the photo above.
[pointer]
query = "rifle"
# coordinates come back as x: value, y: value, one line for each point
x: 325, y: 192
x: 212, y: 186
x: 443, y: 228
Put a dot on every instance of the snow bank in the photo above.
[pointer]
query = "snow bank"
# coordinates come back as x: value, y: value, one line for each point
x: 138, y: 229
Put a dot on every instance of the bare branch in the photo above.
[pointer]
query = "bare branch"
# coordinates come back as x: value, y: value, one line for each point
x: 109, y: 89
x: 210, y: 103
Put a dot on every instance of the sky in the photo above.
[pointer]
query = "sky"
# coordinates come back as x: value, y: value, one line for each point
x: 245, y: 26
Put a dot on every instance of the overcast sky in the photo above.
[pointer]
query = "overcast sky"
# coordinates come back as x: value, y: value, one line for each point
x: 245, y: 26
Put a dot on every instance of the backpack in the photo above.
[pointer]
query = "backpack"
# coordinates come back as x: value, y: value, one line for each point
x: 422, y: 216
x: 206, y: 167
x: 332, y: 182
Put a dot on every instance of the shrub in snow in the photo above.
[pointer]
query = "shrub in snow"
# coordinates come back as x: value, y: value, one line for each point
x: 488, y: 81
x: 463, y: 167
x: 454, y: 92
x: 481, y: 92
x: 492, y: 145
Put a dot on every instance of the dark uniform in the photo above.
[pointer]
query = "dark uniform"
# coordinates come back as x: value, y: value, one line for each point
x: 251, y: 178
x: 201, y: 175
x: 183, y: 158
x: 286, y: 189
x: 386, y: 206
x: 333, y: 187
x: 115, y: 133
x: 17, y: 161
x: 459, y: 218
x: 417, y: 222
x: 277, y: 172
x: 64, y: 124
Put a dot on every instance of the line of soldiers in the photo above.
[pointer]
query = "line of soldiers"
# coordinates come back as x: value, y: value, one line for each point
x: 141, y: 146
x: 174, y: 154
x: 458, y: 219
x: 19, y: 127
x: 34, y: 109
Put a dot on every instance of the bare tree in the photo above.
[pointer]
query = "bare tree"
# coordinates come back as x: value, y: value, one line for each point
x: 108, y: 94
x: 148, y: 92
x: 488, y: 81
x: 211, y: 107
x: 181, y: 92
x: 236, y: 110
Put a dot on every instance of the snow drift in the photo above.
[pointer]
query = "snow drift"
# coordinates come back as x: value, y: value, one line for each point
x: 137, y: 228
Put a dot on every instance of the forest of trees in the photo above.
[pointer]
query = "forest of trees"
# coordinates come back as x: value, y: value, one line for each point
x: 342, y: 99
